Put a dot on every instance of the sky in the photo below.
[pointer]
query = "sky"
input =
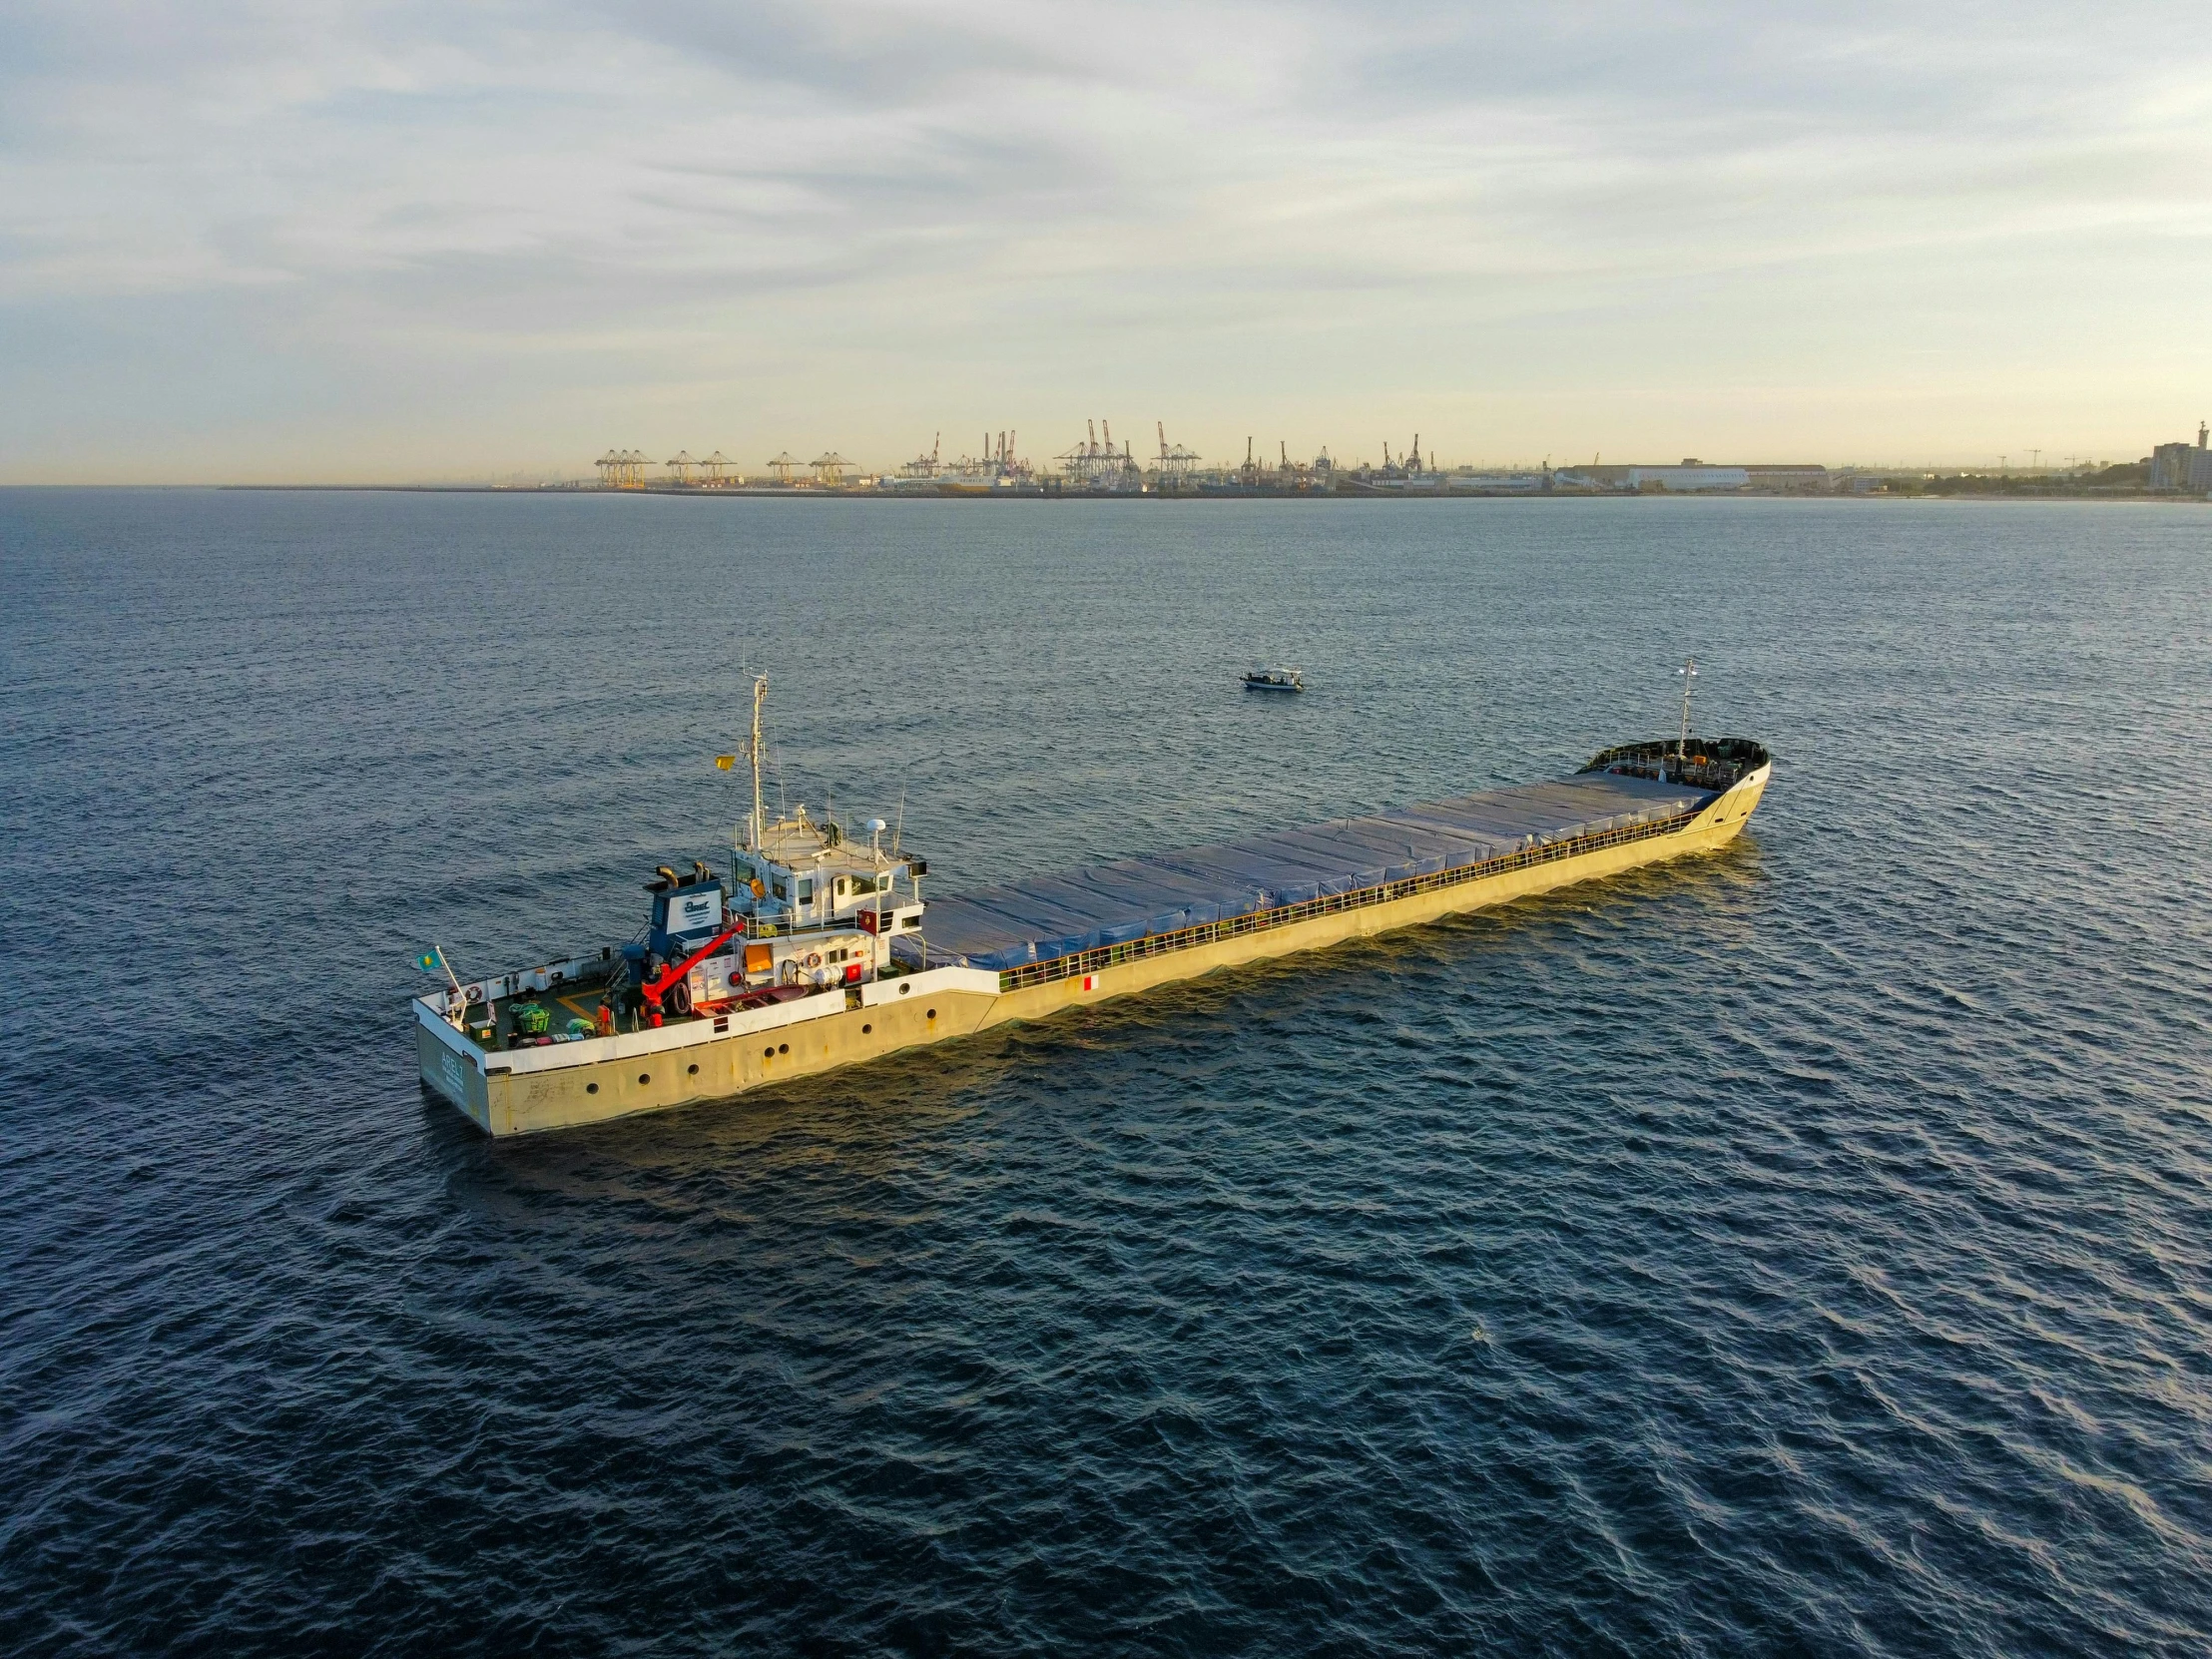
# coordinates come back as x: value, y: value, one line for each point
x: 325, y: 242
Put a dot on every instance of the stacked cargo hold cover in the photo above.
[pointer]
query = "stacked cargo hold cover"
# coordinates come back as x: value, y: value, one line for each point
x: 1046, y: 918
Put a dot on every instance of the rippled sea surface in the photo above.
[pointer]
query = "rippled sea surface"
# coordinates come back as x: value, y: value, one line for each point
x: 1806, y: 1248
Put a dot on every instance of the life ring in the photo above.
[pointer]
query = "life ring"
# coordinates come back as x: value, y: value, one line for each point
x: 813, y: 958
x: 679, y: 997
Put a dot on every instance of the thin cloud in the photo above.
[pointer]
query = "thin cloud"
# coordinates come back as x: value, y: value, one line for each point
x: 957, y: 203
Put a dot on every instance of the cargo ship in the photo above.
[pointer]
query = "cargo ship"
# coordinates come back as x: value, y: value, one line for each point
x: 816, y: 951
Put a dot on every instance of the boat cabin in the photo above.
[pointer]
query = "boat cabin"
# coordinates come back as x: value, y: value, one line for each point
x: 804, y: 873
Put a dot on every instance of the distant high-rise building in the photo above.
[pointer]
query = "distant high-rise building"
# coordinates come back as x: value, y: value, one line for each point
x: 2183, y: 467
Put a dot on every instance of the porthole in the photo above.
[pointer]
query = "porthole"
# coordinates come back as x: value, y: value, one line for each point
x: 767, y: 1053
x: 695, y: 1069
x: 866, y: 1029
x: 645, y: 1078
x: 905, y: 989
x: 932, y: 1013
x: 782, y: 1048
x: 591, y: 1088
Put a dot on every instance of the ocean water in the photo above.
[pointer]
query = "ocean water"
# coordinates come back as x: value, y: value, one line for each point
x: 1806, y: 1248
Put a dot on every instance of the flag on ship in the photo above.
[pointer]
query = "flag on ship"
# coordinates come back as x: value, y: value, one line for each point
x: 431, y: 960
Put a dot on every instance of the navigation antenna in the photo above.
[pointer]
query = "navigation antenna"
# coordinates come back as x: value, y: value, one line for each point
x: 1687, y: 674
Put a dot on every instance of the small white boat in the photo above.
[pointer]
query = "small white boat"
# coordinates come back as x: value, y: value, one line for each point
x: 1275, y: 680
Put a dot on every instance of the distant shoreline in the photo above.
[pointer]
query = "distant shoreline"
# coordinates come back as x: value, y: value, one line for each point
x: 2020, y: 493
x: 2106, y: 494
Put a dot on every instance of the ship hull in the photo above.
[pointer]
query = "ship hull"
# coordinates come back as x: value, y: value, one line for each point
x: 557, y: 1088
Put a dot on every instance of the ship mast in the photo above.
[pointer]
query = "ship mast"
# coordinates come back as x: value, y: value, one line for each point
x: 760, y: 692
x: 1687, y: 673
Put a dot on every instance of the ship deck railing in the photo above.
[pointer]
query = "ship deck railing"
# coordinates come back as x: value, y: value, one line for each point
x: 1286, y: 915
x: 1713, y: 776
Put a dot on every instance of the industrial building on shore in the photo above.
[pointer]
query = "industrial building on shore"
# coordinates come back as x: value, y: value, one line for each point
x: 1098, y: 466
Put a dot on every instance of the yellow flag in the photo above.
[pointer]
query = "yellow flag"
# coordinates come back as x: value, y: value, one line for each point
x: 726, y: 762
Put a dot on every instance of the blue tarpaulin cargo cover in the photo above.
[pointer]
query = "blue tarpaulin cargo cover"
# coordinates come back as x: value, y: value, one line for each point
x: 1047, y: 916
